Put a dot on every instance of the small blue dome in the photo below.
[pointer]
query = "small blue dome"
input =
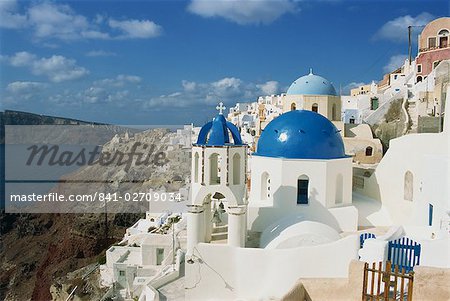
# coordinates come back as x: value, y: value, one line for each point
x: 311, y: 84
x: 217, y: 133
x: 301, y: 134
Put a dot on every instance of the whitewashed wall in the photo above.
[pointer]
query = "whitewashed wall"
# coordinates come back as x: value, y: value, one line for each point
x: 220, y: 272
x: 283, y: 175
x: 427, y: 157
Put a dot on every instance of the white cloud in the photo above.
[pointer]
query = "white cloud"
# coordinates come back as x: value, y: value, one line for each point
x: 397, y: 29
x: 98, y: 53
x: 23, y: 91
x: 9, y: 17
x: 269, y: 88
x: 395, y: 62
x: 136, y: 28
x: 244, y: 11
x: 94, y: 95
x: 50, y: 21
x: 119, y: 81
x: 189, y: 86
x: 229, y: 90
x: 226, y: 87
x: 129, y: 78
x: 98, y: 95
x: 21, y: 59
x: 94, y: 34
x: 110, y: 90
x: 56, y: 68
x: 24, y: 87
x: 56, y: 21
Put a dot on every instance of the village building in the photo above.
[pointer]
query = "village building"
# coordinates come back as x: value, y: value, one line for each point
x: 434, y: 47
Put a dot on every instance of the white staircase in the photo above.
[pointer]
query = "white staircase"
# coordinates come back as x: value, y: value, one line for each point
x: 378, y: 115
x: 413, y: 116
x: 219, y: 233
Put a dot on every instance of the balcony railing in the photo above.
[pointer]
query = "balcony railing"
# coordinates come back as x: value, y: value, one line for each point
x: 433, y: 48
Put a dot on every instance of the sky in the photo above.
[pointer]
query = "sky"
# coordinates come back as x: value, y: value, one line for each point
x: 171, y: 62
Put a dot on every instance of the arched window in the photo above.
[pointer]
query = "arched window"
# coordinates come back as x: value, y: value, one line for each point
x: 196, y: 159
x: 315, y: 108
x: 443, y: 38
x: 293, y: 106
x: 214, y: 169
x: 302, y: 190
x: 333, y: 112
x: 419, y: 79
x: 369, y: 151
x: 236, y: 169
x: 265, y: 186
x: 408, y: 186
x: 339, y: 197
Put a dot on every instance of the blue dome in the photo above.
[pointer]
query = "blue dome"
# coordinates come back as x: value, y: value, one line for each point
x: 311, y: 84
x: 301, y: 134
x: 217, y: 133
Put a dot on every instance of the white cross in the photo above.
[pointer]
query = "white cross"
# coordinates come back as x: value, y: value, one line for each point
x: 221, y: 108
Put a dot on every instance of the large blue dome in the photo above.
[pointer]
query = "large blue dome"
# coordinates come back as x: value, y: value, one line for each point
x: 301, y: 134
x: 311, y: 84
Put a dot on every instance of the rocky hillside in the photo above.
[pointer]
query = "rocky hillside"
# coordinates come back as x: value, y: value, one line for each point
x: 38, y: 249
x: 392, y: 126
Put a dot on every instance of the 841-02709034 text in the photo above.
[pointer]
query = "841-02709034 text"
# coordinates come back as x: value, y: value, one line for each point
x: 141, y: 197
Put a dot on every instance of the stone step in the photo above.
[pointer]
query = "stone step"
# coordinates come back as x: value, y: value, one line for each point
x: 219, y: 236
x: 123, y: 293
x: 413, y: 116
x: 220, y: 229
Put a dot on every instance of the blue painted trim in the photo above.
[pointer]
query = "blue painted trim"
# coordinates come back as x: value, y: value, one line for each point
x: 234, y: 133
x: 203, y: 135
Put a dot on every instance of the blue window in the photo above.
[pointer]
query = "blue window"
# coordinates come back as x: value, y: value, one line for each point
x: 302, y: 191
x: 430, y: 215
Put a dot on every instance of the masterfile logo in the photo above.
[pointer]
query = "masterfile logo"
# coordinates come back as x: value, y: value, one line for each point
x: 81, y: 168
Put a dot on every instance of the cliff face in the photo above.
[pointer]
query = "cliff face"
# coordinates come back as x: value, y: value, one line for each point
x: 38, y: 249
x: 25, y: 118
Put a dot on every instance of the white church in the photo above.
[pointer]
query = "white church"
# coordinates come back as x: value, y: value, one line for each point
x: 300, y: 217
x: 261, y: 222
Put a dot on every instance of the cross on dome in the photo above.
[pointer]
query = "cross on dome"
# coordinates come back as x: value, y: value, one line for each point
x: 221, y: 108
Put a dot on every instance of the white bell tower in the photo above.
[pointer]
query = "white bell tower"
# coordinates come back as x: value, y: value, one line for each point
x: 218, y: 184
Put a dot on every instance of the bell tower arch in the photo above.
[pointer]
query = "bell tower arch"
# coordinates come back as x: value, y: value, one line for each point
x: 218, y: 185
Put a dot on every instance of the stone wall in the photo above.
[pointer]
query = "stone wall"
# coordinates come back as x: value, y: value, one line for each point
x: 431, y: 284
x: 330, y: 288
x: 429, y: 124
